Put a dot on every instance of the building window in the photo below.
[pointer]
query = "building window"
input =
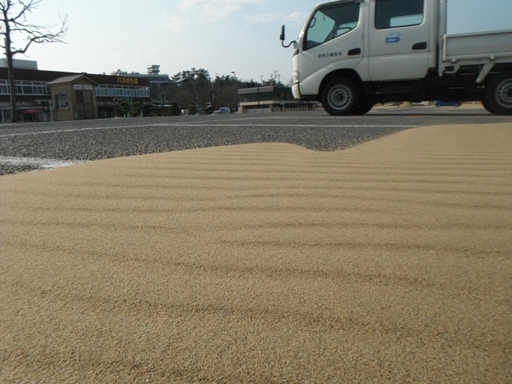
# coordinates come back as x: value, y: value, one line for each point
x: 38, y: 88
x: 122, y: 91
x: 19, y: 87
x: 398, y: 13
x: 61, y: 100
x: 4, y: 87
x: 101, y: 90
x: 25, y: 87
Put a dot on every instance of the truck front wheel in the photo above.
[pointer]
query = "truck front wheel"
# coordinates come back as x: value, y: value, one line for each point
x: 498, y: 95
x: 340, y: 96
x: 364, y: 107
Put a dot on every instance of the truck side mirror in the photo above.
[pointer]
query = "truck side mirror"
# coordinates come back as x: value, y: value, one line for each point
x: 283, y: 37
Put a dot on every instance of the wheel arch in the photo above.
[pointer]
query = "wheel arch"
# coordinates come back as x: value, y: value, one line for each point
x: 494, y: 74
x: 348, y: 73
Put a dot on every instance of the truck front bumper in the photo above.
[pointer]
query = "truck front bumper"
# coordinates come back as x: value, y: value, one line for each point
x: 296, y: 91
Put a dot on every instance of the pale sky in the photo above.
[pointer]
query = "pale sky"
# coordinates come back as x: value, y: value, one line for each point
x: 221, y: 36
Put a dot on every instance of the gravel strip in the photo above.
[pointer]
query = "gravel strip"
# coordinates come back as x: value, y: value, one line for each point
x: 7, y: 168
x: 88, y: 144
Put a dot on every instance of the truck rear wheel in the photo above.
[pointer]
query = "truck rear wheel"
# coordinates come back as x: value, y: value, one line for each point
x: 340, y: 96
x: 498, y: 95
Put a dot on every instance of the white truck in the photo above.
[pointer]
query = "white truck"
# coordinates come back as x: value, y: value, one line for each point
x: 353, y: 54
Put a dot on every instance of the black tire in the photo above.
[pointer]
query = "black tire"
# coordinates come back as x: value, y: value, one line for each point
x: 498, y: 95
x: 340, y: 96
x: 364, y: 107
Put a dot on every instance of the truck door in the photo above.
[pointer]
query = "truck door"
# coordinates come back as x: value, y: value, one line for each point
x: 398, y: 43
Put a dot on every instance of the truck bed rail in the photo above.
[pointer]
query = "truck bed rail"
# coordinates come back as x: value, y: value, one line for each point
x: 477, y: 47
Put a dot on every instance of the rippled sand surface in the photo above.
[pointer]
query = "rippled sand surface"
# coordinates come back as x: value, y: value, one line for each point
x: 390, y: 262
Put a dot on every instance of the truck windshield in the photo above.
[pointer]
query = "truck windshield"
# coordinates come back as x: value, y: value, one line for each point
x: 329, y: 22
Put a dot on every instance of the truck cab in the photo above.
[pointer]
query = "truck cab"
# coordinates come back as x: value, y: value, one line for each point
x: 352, y: 54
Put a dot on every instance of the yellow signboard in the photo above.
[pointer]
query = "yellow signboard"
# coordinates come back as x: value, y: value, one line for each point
x: 128, y: 80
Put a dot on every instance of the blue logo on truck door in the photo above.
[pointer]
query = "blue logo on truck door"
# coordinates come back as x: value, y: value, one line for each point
x: 393, y: 38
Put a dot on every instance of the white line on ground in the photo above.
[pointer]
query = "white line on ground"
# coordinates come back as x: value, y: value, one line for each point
x: 78, y: 130
x: 41, y: 163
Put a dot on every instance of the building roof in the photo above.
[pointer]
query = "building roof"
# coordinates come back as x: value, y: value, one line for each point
x: 71, y: 79
x: 48, y: 76
x: 26, y: 64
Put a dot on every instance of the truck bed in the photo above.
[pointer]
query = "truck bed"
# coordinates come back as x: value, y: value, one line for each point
x: 477, y: 48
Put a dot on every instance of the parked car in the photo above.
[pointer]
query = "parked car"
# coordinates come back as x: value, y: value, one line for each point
x: 222, y: 110
x: 447, y: 104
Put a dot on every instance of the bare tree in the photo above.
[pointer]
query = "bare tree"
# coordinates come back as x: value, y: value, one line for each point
x: 15, y: 24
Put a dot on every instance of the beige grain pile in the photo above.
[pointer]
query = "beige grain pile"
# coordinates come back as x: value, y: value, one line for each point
x: 390, y: 262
